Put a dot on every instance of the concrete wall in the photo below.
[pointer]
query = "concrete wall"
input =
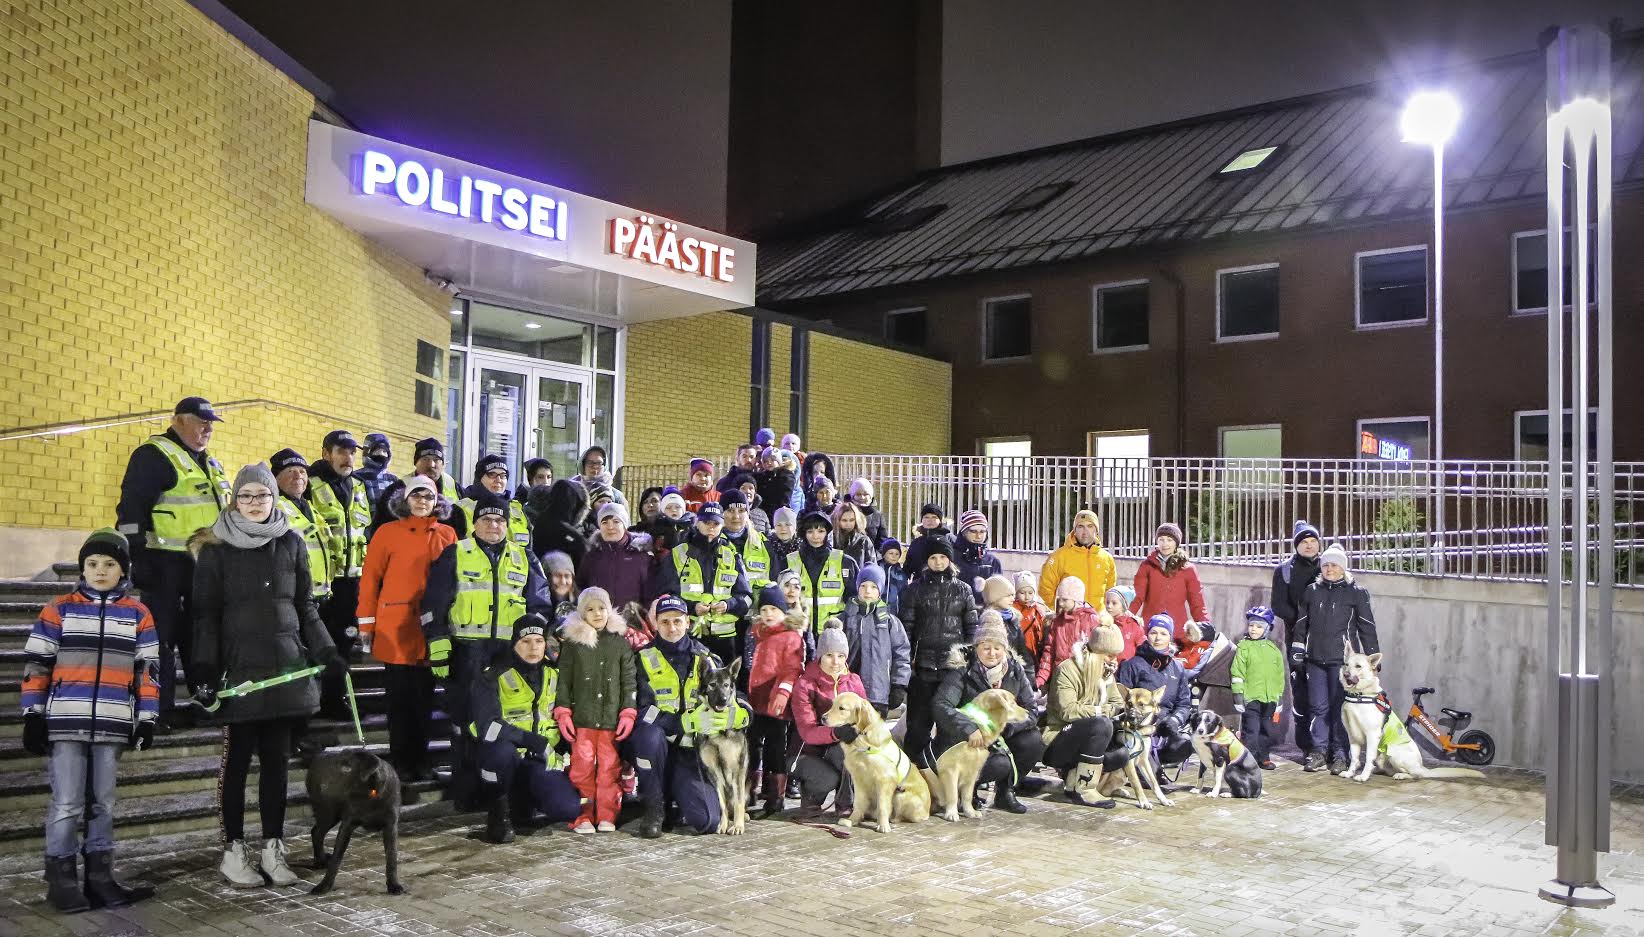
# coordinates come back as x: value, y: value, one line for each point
x: 1479, y: 643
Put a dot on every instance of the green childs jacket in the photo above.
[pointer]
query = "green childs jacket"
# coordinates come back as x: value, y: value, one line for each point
x: 1258, y: 671
x: 596, y: 672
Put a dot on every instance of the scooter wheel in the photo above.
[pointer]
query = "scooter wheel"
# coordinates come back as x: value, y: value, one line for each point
x: 1483, y: 755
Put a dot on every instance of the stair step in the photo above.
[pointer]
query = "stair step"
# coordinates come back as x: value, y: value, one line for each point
x: 13, y: 590
x: 66, y: 571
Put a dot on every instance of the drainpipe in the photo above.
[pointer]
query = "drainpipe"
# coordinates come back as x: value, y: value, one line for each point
x: 1180, y: 290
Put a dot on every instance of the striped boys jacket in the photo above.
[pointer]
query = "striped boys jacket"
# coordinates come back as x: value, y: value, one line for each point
x: 91, y: 665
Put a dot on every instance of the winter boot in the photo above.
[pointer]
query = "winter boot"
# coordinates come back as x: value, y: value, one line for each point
x: 499, y: 827
x: 1081, y: 786
x: 793, y: 787
x: 1338, y: 764
x: 103, y: 890
x: 63, y: 885
x: 1314, y: 762
x: 776, y: 785
x: 274, y: 864
x: 754, y: 789
x: 238, y: 868
x: 1004, y: 798
x: 650, y: 825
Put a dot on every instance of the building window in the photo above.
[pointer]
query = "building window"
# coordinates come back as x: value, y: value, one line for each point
x: 1247, y: 160
x: 1121, y: 466
x: 1007, y: 464
x: 1247, y: 303
x: 1530, y: 271
x: 1007, y: 328
x: 1253, y: 442
x: 1036, y: 197
x: 1120, y: 316
x: 431, y: 385
x: 759, y: 377
x: 906, y: 327
x: 799, y: 380
x: 1392, y: 287
x: 1530, y: 438
x: 1395, y: 439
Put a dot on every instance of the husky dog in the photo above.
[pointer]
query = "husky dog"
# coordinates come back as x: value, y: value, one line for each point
x: 724, y: 749
x: 1376, y: 732
x: 887, y: 786
x: 1134, y: 726
x: 1220, y: 750
x: 954, y: 782
x: 354, y: 789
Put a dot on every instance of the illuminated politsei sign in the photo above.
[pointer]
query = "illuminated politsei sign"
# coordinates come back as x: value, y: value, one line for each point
x: 482, y: 200
x: 654, y: 241
x: 1374, y: 446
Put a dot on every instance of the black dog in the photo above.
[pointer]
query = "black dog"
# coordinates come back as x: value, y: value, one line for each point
x: 354, y: 789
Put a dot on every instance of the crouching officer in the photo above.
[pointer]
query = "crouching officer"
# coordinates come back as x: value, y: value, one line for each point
x: 477, y: 589
x: 491, y: 476
x: 670, y: 674
x: 521, y: 770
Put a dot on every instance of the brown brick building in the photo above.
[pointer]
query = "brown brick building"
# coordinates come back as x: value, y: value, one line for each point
x: 1188, y: 283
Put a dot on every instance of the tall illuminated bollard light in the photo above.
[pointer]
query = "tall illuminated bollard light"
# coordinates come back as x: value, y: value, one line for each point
x: 1430, y: 119
x: 1580, y: 687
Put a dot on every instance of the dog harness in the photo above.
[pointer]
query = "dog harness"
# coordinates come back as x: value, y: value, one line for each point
x: 1235, y: 748
x: 1393, y: 731
x: 707, y: 721
x: 897, y: 762
x: 984, y: 722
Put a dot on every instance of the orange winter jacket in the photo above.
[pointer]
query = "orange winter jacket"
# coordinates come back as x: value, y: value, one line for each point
x: 392, y: 583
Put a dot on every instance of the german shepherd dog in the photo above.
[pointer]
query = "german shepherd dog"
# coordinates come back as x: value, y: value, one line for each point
x: 1134, y: 726
x: 953, y: 784
x: 887, y: 786
x: 354, y: 789
x: 1216, y: 746
x: 725, y: 755
x: 1375, y: 731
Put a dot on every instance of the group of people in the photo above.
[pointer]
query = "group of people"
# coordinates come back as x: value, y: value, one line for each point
x: 574, y: 643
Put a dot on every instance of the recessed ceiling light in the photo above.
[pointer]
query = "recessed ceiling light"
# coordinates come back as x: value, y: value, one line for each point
x: 533, y: 325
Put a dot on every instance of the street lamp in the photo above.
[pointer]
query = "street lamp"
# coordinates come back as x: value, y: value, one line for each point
x: 1430, y: 118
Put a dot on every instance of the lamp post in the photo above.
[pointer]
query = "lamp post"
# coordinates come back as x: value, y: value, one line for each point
x: 1430, y: 118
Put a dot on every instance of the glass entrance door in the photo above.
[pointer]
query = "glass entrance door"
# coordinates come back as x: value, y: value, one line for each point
x: 527, y: 410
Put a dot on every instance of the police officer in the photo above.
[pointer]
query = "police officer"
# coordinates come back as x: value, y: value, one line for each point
x: 669, y: 682
x: 707, y: 573
x: 491, y: 475
x: 521, y: 770
x: 171, y: 489
x: 340, y: 498
x: 291, y: 474
x: 375, y: 473
x: 826, y: 576
x: 748, y: 542
x: 477, y: 589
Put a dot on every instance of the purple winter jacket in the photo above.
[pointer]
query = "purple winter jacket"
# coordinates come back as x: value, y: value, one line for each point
x: 623, y: 568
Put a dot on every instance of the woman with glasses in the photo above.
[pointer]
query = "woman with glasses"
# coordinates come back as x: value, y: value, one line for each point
x: 255, y: 622
x: 390, y: 614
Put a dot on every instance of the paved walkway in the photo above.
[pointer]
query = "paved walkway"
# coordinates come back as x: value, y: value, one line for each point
x: 1316, y: 856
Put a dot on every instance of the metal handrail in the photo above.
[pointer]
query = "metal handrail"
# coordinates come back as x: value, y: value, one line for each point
x: 70, y: 428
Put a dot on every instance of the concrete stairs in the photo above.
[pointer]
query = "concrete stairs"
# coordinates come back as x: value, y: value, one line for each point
x: 171, y: 788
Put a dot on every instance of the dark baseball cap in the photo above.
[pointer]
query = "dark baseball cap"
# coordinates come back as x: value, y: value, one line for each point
x: 710, y: 511
x: 340, y: 437
x: 286, y: 458
x: 671, y: 603
x: 197, y: 406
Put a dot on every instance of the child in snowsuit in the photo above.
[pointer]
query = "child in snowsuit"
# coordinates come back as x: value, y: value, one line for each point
x: 1032, y: 610
x: 596, y: 707
x: 1073, y: 622
x: 778, y: 660
x: 1258, y: 684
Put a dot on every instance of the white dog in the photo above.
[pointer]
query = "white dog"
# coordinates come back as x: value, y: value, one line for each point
x: 1376, y: 732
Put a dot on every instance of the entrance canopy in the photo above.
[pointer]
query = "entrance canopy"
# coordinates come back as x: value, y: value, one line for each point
x: 491, y: 232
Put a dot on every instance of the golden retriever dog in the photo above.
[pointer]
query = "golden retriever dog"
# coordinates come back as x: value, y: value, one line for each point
x: 953, y: 784
x: 887, y: 786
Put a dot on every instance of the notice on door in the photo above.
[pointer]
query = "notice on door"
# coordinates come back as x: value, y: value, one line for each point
x: 502, y: 416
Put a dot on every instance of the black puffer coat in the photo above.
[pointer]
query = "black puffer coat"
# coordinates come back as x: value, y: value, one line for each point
x: 959, y: 687
x: 939, y: 615
x: 563, y: 509
x: 775, y: 489
x: 254, y: 618
x: 1331, y: 611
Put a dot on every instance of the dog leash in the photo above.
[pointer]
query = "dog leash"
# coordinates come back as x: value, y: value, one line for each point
x: 353, y: 706
x: 254, y: 686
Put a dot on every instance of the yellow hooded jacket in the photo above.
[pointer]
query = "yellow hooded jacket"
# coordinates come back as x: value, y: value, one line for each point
x: 1093, y: 564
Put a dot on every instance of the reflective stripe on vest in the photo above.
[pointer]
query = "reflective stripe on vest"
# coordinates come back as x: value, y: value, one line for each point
x: 519, y: 529
x: 483, y: 585
x: 517, y: 710
x: 312, y: 531
x: 193, y: 501
x: 756, y: 560
x: 692, y: 590
x: 347, y: 524
x: 664, y: 679
x: 705, y: 721
x: 829, y: 592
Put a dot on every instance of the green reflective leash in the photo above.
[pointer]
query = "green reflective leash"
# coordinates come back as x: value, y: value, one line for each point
x: 250, y: 686
x: 353, y: 706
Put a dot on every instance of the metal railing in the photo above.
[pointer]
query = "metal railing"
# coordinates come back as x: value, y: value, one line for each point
x: 1241, y: 510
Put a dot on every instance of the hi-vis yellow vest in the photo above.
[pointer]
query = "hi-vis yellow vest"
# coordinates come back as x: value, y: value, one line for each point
x: 193, y: 501
x: 515, y: 696
x: 829, y: 591
x: 756, y: 560
x: 664, y: 681
x: 490, y: 597
x: 519, y: 529
x: 347, y: 523
x: 316, y: 536
x: 693, y: 590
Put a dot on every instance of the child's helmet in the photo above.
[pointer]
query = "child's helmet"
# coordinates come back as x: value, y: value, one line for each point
x: 1259, y: 613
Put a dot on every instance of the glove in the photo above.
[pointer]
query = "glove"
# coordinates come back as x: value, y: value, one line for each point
x: 441, y: 669
x: 898, y: 696
x: 332, y: 661
x: 625, y: 723
x: 35, y: 739
x: 142, y: 736
x: 205, y: 697
x: 562, y: 717
x: 846, y: 734
x: 1238, y: 702
x: 1170, y: 726
x: 1298, y: 655
x: 537, y: 745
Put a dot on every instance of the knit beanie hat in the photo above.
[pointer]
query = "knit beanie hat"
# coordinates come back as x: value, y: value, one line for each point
x: 672, y: 498
x: 787, y: 574
x: 488, y: 462
x: 931, y: 508
x: 733, y: 496
x: 940, y: 546
x: 784, y: 515
x: 284, y: 459
x: 991, y: 627
x: 1026, y: 579
x: 1126, y: 595
x: 765, y: 437
x: 873, y: 574
x: 888, y: 544
x: 1086, y: 514
x: 429, y: 446
x: 790, y: 441
x: 997, y: 589
x: 1334, y: 555
x: 1071, y: 587
x: 591, y: 595
x: 555, y: 561
x: 772, y: 595
x: 1163, y: 621
x: 832, y: 640
x: 861, y: 486
x: 107, y: 542
x: 701, y: 465
x: 255, y: 474
x: 530, y: 624
x: 1170, y: 530
x: 490, y: 503
x: 612, y: 509
x: 973, y: 519
x: 1301, y: 531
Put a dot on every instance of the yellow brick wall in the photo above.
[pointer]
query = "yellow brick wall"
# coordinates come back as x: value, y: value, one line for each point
x: 686, y: 388
x: 154, y: 243
x: 868, y: 399
x: 781, y: 369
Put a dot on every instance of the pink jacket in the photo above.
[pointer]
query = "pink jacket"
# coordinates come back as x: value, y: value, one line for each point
x: 778, y: 660
x: 813, y: 697
x: 1061, y: 633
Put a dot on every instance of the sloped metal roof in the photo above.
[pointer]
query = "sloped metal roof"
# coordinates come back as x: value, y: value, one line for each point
x: 1340, y: 160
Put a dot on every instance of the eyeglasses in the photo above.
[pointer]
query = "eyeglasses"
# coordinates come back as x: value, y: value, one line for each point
x: 253, y: 499
x: 422, y: 495
x: 502, y: 474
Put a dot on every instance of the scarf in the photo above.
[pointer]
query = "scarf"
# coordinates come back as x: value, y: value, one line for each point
x: 236, y: 530
x: 995, y: 675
